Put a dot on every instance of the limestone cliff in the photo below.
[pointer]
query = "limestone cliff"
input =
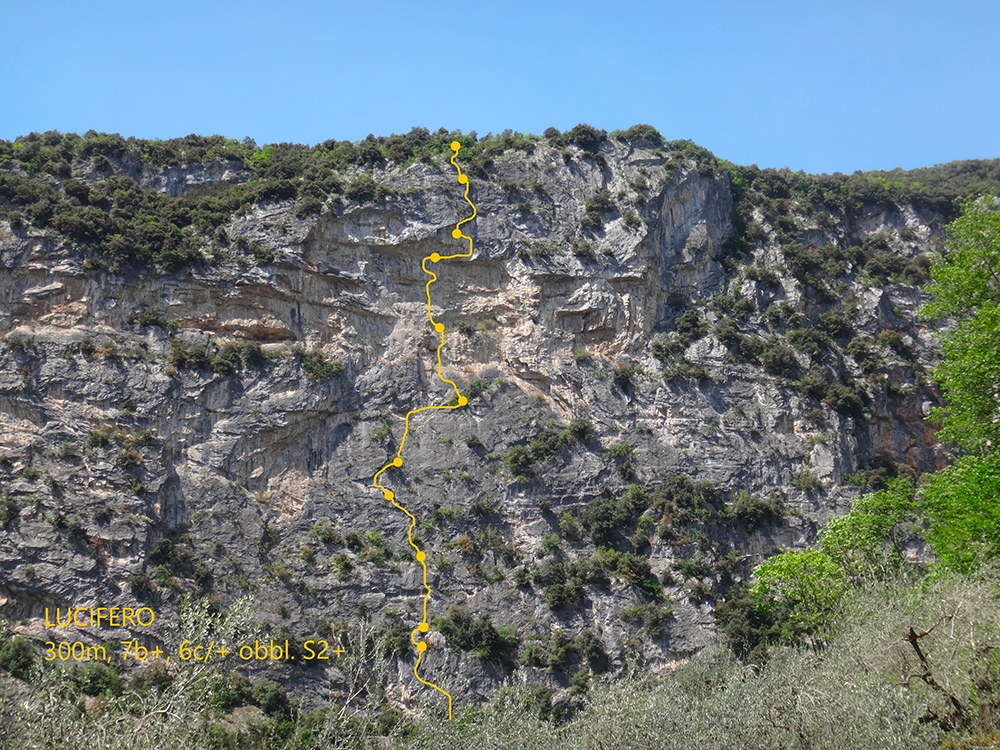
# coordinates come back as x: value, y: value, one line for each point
x: 672, y: 374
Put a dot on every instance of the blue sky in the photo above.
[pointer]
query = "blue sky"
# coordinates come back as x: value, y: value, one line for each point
x: 821, y: 86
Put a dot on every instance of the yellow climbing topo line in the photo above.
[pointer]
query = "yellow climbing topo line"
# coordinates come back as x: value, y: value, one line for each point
x: 460, y: 400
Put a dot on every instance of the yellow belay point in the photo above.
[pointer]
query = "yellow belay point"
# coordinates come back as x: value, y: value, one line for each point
x: 460, y: 401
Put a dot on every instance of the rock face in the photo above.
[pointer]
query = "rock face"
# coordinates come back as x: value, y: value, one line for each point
x: 139, y: 463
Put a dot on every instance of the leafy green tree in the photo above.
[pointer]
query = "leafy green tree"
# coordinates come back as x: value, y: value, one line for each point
x: 967, y: 276
x: 797, y: 593
x: 962, y: 507
x: 969, y: 374
x: 962, y: 502
x: 966, y: 287
x: 804, y: 588
x: 868, y: 543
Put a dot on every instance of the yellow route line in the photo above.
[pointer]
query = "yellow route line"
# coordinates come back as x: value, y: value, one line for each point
x: 460, y: 401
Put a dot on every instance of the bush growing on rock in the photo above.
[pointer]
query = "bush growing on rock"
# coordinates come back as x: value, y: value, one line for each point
x: 317, y: 365
x: 753, y: 511
x: 640, y: 133
x: 17, y: 656
x: 466, y: 632
x: 779, y: 359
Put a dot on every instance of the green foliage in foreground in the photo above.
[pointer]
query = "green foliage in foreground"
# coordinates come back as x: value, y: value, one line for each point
x: 801, y: 596
x: 965, y: 277
x: 969, y: 374
x: 868, y: 543
x: 806, y: 585
x: 796, y: 593
x: 868, y: 687
x: 962, y: 502
x: 962, y: 505
x: 966, y: 286
x: 849, y: 646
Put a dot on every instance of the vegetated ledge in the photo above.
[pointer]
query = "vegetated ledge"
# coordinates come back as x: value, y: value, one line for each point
x: 136, y: 202
x: 605, y: 519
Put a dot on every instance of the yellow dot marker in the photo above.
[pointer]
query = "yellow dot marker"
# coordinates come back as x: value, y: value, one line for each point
x: 421, y: 556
